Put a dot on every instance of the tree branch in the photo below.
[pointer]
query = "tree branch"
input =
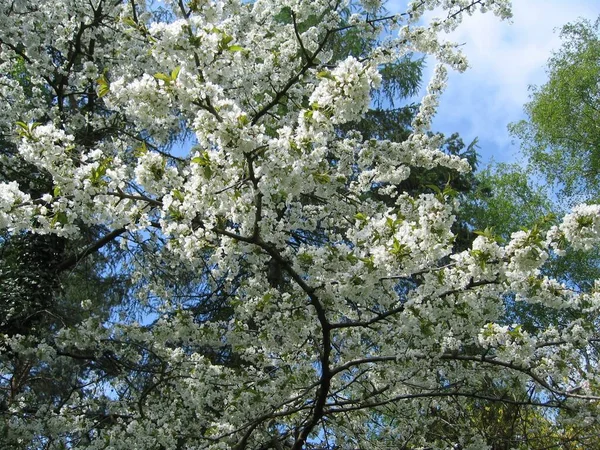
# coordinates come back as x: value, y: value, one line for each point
x: 73, y: 260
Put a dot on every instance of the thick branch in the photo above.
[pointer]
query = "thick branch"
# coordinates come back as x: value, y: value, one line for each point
x: 73, y: 260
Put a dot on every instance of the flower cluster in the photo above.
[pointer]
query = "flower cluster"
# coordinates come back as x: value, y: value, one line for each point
x: 343, y: 94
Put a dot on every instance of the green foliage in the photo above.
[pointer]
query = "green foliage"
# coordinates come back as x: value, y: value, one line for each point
x: 103, y: 86
x: 169, y: 78
x: 561, y: 134
x: 26, y: 284
x: 391, y: 124
x: 507, y: 425
x: 561, y: 137
x: 25, y: 130
x: 504, y: 199
x: 204, y: 161
x: 400, y: 79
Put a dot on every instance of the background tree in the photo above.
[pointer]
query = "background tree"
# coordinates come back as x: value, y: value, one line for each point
x: 560, y: 134
x: 558, y: 137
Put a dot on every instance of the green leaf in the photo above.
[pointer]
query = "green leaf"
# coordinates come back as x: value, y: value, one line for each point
x: 196, y: 41
x: 102, y: 91
x: 175, y: 73
x: 449, y: 192
x: 226, y: 39
x: 352, y: 258
x: 295, y: 147
x: 140, y: 150
x: 61, y: 218
x: 489, y: 234
x: 399, y: 250
x: 305, y: 259
x: 175, y: 214
x: 26, y: 129
x: 129, y: 21
x: 99, y: 172
x: 482, y: 257
x: 178, y: 195
x: 103, y: 86
x: 322, y: 178
x: 391, y: 223
x: 203, y: 159
x: 236, y: 48
x: 434, y: 188
x: 426, y: 327
x: 516, y: 333
x: 585, y: 221
x: 164, y: 77
x: 369, y: 263
x: 441, y: 275
x: 325, y: 74
x: 284, y: 15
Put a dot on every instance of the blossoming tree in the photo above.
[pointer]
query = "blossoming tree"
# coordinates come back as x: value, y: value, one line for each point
x: 321, y: 315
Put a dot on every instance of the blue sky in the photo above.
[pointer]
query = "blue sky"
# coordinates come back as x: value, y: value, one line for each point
x: 505, y: 58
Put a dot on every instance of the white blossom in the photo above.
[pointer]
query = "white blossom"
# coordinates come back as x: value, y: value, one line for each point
x: 296, y: 292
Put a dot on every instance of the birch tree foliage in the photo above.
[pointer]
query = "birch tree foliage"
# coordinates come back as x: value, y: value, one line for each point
x: 560, y: 134
x: 343, y: 320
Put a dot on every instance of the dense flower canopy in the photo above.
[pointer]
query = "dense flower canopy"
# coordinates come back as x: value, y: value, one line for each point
x: 339, y: 313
